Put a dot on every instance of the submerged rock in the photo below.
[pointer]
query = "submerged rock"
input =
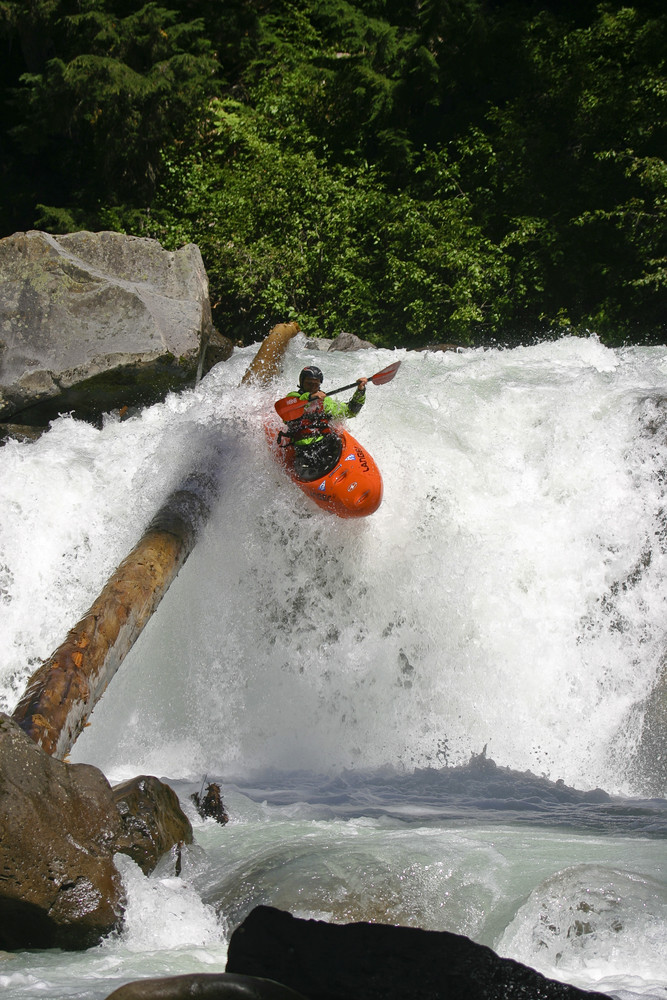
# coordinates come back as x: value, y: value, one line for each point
x: 90, y: 322
x: 380, y: 962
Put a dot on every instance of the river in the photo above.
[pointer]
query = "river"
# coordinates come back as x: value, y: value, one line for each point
x: 430, y: 716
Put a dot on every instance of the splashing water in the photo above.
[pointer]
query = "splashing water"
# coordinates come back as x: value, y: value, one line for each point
x: 508, y: 595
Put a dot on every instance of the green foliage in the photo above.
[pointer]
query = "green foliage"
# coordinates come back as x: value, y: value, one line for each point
x: 107, y: 91
x: 285, y: 235
x: 413, y: 172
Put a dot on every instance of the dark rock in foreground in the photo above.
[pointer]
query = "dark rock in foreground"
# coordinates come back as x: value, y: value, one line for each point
x: 380, y: 962
x: 91, y: 322
x: 204, y: 986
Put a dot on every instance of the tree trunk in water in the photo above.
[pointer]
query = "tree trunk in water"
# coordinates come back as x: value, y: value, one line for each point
x: 62, y: 693
x: 267, y: 363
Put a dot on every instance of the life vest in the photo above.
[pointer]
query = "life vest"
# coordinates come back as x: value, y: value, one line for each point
x: 314, y: 423
x: 310, y: 427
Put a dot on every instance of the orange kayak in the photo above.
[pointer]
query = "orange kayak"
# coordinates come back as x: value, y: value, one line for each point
x: 353, y: 488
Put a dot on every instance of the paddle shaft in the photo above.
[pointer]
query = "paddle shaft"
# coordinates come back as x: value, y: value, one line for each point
x: 386, y: 375
x: 341, y: 388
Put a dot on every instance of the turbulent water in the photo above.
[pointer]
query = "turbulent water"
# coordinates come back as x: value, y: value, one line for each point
x: 432, y: 716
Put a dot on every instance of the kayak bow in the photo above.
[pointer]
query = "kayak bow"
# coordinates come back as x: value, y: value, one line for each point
x: 353, y: 488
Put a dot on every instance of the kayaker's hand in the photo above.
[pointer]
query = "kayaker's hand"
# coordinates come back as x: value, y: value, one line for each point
x: 361, y: 382
x: 318, y: 395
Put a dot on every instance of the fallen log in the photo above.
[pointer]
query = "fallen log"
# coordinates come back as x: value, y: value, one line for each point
x: 267, y: 363
x: 63, y: 691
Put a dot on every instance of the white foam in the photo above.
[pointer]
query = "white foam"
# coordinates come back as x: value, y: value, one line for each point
x: 485, y: 603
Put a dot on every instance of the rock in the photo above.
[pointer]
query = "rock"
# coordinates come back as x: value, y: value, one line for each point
x: 60, y: 826
x: 440, y: 347
x: 152, y: 818
x: 205, y: 986
x: 20, y: 432
x: 211, y: 805
x: 58, y: 829
x: 349, y: 342
x: 318, y: 343
x: 90, y: 322
x: 380, y: 962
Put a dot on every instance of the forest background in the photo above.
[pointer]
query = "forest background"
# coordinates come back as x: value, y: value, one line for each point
x: 412, y: 172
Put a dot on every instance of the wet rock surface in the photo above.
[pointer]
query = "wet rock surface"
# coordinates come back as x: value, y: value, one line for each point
x: 58, y: 829
x: 60, y: 826
x: 211, y: 986
x: 153, y: 821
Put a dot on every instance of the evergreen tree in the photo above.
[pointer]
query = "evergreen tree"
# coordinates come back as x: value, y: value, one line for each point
x: 107, y: 84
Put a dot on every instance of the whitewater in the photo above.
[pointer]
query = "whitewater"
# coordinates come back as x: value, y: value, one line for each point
x: 432, y: 716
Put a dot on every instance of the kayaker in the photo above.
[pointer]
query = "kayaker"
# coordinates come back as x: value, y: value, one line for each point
x: 317, y: 447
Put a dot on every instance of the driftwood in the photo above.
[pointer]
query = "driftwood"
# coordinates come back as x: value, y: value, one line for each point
x: 210, y: 805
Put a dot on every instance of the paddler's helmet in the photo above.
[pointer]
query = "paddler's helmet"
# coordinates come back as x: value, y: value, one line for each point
x: 310, y: 371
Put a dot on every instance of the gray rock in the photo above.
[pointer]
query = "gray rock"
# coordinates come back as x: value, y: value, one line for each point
x: 318, y: 343
x: 349, y: 342
x: 94, y: 321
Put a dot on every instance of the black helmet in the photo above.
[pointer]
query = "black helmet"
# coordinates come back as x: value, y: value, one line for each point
x: 311, y: 371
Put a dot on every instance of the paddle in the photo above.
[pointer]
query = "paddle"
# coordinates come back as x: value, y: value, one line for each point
x: 292, y: 408
x: 386, y: 375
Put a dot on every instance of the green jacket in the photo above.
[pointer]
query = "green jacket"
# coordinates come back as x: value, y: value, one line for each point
x: 333, y: 410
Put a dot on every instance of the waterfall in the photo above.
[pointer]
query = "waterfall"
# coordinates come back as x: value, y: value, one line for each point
x: 508, y: 594
x: 504, y: 605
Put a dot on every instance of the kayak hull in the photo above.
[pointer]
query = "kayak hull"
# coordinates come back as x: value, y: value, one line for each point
x: 353, y: 488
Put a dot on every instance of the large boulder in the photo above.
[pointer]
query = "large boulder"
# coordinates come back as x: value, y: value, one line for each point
x: 60, y: 826
x: 380, y: 962
x: 58, y: 829
x: 96, y: 321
